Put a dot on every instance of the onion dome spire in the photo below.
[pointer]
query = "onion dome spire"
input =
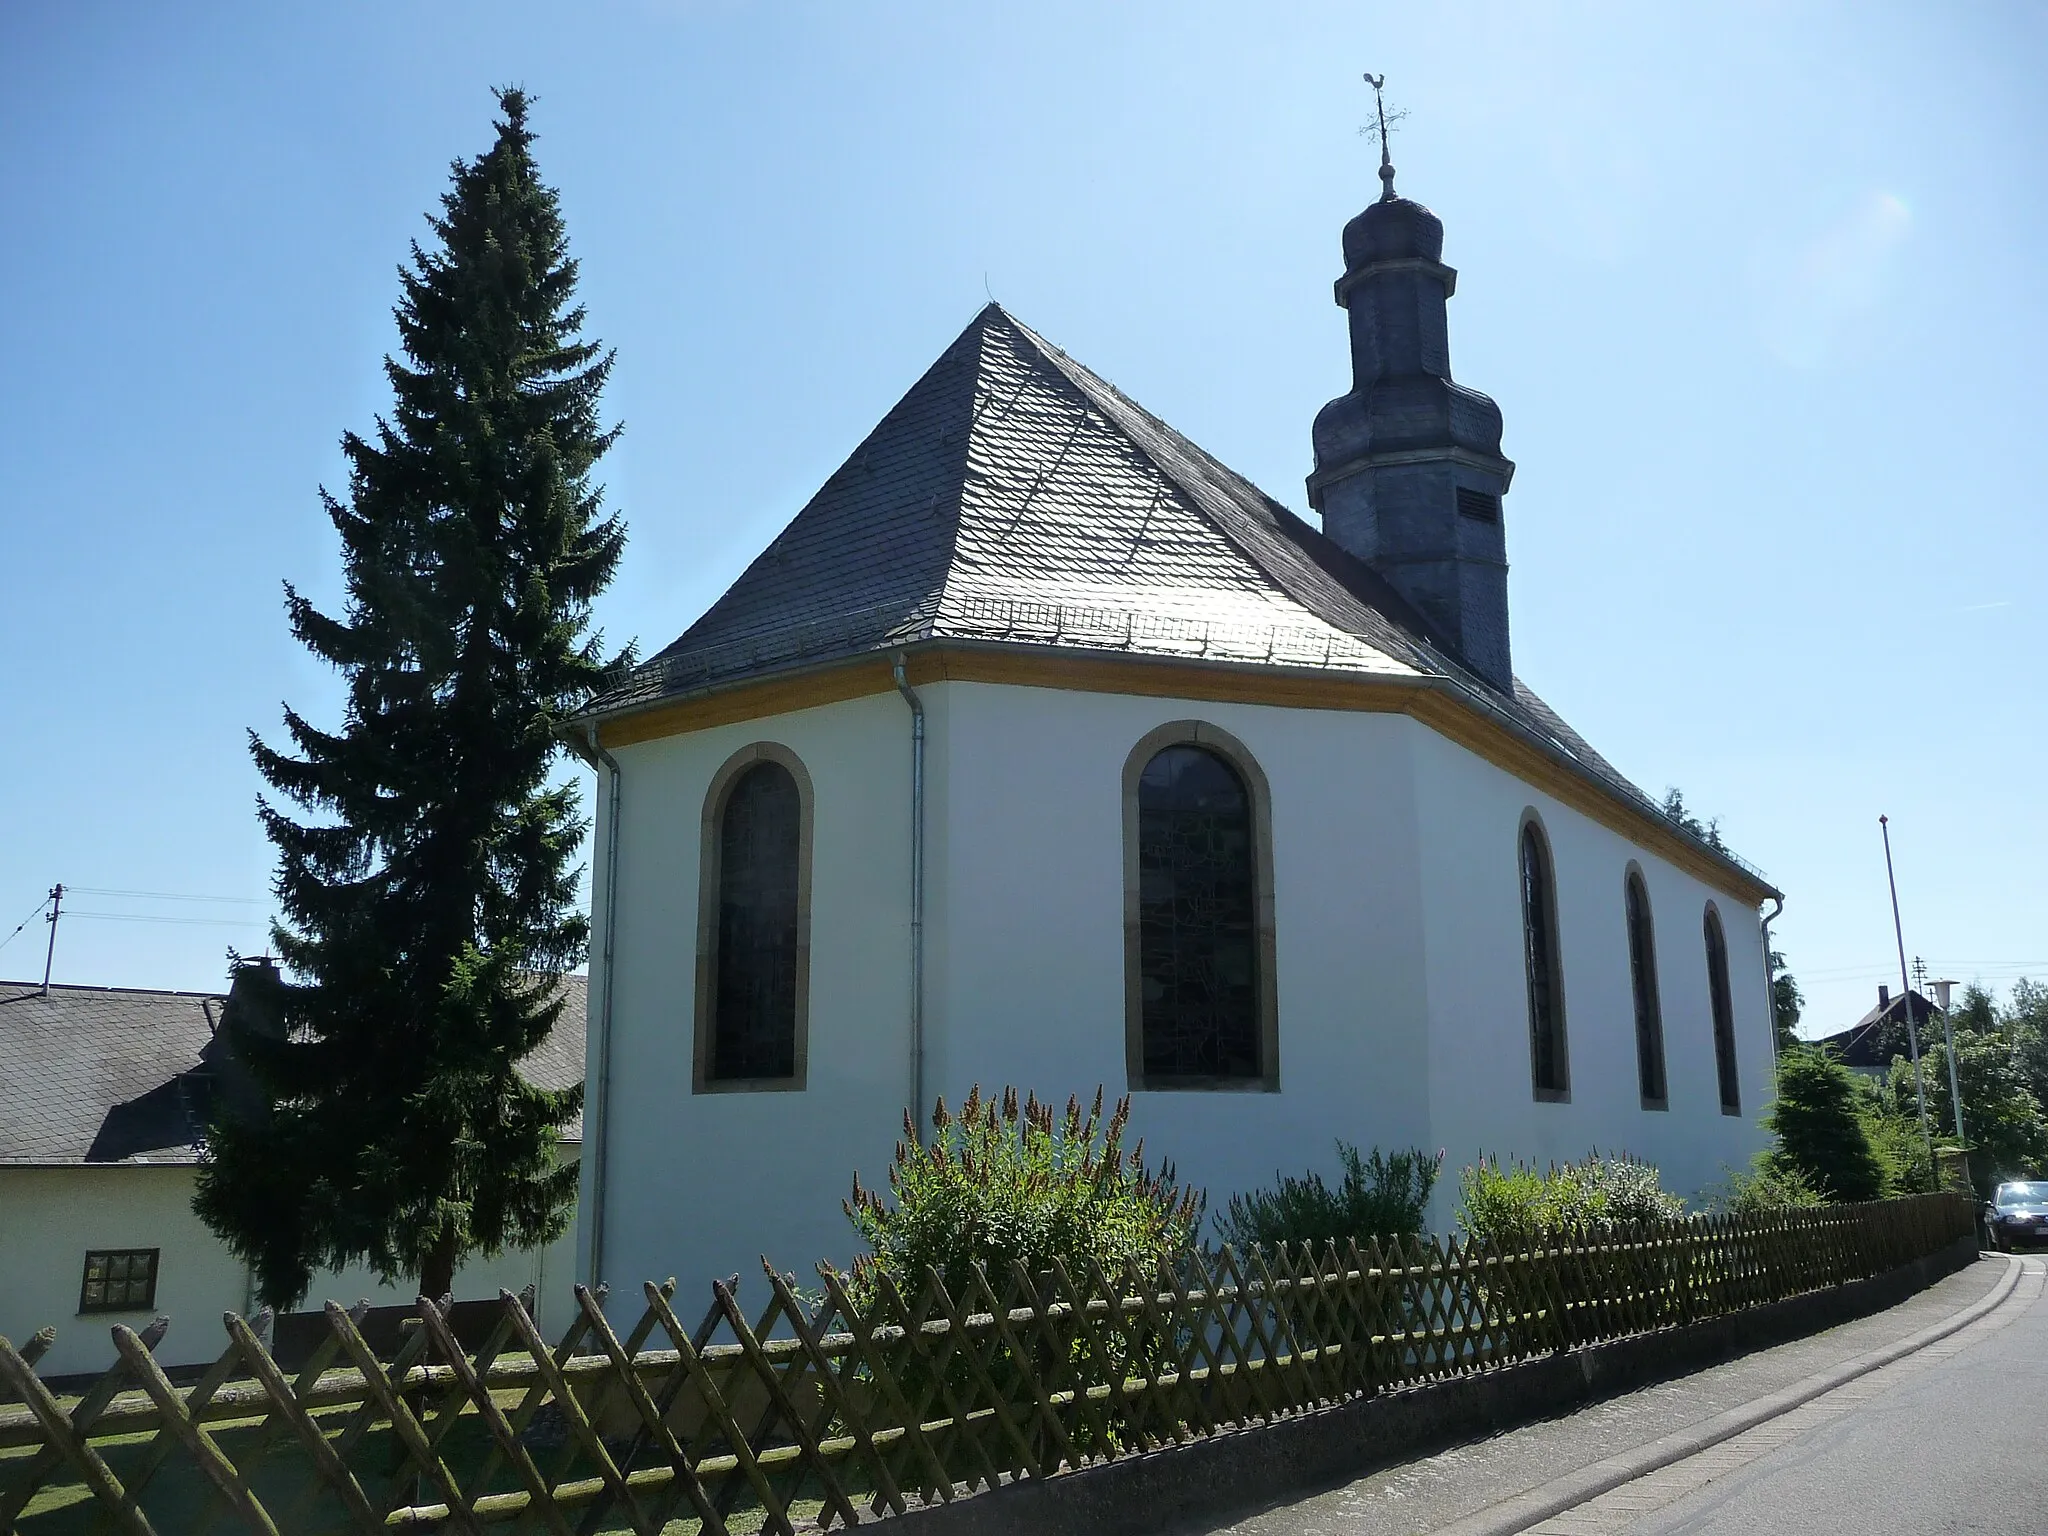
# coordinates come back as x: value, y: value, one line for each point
x: 1409, y: 472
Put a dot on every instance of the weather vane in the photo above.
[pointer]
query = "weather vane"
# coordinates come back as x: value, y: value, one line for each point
x: 1379, y: 132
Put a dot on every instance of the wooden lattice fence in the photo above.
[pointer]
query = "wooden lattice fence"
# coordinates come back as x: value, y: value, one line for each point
x: 818, y: 1409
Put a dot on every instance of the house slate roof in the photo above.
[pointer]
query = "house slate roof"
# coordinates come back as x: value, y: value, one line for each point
x: 127, y: 1075
x: 1873, y: 1040
x: 1012, y: 496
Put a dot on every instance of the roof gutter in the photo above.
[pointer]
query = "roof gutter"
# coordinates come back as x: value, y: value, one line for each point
x: 597, y: 1075
x: 1467, y: 693
x: 1477, y: 699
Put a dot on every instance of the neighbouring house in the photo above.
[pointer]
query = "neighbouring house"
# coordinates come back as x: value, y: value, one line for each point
x: 1042, y: 749
x: 1873, y: 1041
x: 104, y: 1100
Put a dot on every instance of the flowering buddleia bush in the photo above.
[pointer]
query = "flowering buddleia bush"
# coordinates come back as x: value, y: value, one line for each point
x: 1002, y: 1183
x: 1762, y: 1190
x: 1515, y: 1204
x: 1381, y: 1195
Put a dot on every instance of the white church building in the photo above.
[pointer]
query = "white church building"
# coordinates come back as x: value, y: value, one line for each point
x: 1041, y: 749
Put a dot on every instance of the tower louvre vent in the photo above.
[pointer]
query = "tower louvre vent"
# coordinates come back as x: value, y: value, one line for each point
x: 1481, y: 506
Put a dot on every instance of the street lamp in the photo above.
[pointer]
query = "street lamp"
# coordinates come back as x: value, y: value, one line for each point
x: 1942, y: 991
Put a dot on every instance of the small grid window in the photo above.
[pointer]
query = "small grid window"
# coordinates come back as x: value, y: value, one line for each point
x: 119, y: 1280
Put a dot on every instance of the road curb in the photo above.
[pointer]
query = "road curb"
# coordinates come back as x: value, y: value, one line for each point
x: 1532, y: 1507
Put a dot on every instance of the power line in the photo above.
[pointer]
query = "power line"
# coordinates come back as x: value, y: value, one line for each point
x: 147, y: 917
x: 94, y: 890
x: 24, y: 923
x: 1851, y: 972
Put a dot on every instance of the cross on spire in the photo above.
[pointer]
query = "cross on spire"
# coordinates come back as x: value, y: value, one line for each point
x: 1378, y: 82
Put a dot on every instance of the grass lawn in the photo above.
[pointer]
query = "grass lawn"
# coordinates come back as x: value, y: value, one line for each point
x: 178, y: 1499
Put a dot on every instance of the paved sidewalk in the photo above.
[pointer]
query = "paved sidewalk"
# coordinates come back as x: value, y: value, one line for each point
x: 1417, y: 1497
x: 1927, y: 1443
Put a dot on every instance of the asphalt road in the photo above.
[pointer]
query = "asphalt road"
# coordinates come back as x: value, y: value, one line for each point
x: 1476, y: 1483
x: 1952, y: 1440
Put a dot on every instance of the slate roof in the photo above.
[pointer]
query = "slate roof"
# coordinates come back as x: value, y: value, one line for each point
x: 1873, y: 1040
x: 121, y: 1074
x: 1013, y: 496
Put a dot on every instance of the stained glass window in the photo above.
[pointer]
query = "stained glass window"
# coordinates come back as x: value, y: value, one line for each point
x: 1724, y: 1015
x: 755, y: 996
x: 1642, y: 965
x: 118, y: 1280
x: 1547, y: 1063
x: 1198, y: 926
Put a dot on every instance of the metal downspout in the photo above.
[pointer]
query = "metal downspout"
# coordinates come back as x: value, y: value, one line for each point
x: 916, y: 897
x: 1770, y: 986
x: 600, y: 1066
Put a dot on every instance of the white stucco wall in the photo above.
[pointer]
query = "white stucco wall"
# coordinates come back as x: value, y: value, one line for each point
x: 1402, y: 1003
x: 1032, y: 896
x: 702, y: 1185
x: 50, y: 1217
x: 1479, y: 1078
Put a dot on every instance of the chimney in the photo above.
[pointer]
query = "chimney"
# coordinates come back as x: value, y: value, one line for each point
x: 253, y: 1008
x: 1884, y: 997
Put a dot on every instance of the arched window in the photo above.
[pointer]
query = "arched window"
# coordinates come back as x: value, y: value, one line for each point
x: 1549, y: 1062
x: 753, y: 948
x: 1642, y: 968
x: 1198, y: 914
x: 1724, y: 1015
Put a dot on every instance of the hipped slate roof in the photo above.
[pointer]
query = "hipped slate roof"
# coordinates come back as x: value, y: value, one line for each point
x: 1873, y: 1040
x: 1014, y: 497
x: 118, y: 1074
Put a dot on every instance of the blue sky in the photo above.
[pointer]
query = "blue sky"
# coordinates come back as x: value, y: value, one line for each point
x: 1759, y: 290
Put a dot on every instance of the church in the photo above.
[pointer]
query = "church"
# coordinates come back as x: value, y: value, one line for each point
x: 1042, y: 750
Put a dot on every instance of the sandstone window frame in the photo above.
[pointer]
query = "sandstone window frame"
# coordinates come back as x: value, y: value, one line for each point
x: 1542, y: 961
x: 1235, y: 755
x: 1721, y: 1002
x: 711, y: 881
x: 1653, y: 1066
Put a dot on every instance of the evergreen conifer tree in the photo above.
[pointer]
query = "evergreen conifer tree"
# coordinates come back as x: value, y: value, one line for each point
x: 427, y: 892
x: 1820, y: 1134
x: 1787, y: 1002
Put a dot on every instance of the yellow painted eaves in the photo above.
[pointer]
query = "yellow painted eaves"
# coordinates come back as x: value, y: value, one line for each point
x: 1442, y: 709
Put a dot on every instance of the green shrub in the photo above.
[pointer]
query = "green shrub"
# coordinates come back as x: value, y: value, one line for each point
x: 1623, y: 1190
x: 1516, y: 1205
x: 1820, y: 1132
x: 1380, y: 1196
x: 1001, y: 1185
x: 2008, y: 1133
x: 1004, y: 1184
x: 1761, y: 1189
x: 1900, y: 1149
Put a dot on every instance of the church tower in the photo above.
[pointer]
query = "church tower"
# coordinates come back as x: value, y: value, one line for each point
x: 1409, y: 474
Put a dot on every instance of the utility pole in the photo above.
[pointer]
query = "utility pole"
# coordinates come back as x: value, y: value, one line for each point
x: 1906, y: 987
x: 50, y: 954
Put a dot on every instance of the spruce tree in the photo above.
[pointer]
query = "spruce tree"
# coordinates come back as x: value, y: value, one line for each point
x: 427, y: 884
x: 1820, y: 1135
